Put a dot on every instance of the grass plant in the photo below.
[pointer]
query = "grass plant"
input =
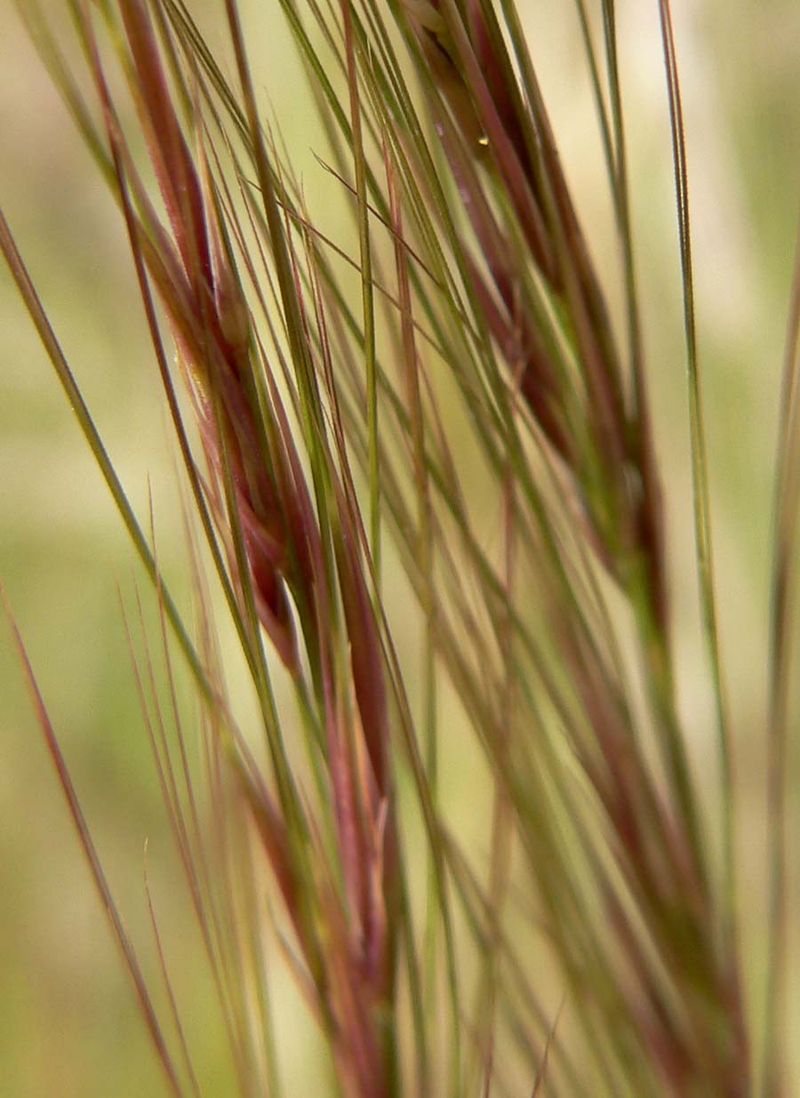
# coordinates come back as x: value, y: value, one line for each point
x: 347, y: 409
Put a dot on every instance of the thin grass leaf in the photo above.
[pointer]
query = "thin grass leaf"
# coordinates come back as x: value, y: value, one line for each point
x: 95, y: 868
x: 782, y: 615
x: 702, y: 502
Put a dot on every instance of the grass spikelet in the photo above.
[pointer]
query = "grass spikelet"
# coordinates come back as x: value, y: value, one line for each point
x: 424, y: 501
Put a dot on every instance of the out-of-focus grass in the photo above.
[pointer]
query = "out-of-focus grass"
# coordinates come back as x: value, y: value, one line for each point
x: 68, y: 1024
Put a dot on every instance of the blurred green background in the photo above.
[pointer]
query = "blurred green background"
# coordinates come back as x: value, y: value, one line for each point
x: 68, y: 1022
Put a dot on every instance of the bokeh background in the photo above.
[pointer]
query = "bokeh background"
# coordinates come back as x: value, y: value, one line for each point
x: 68, y: 1022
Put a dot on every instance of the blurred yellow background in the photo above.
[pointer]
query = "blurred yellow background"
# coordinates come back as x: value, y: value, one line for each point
x: 68, y: 1022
